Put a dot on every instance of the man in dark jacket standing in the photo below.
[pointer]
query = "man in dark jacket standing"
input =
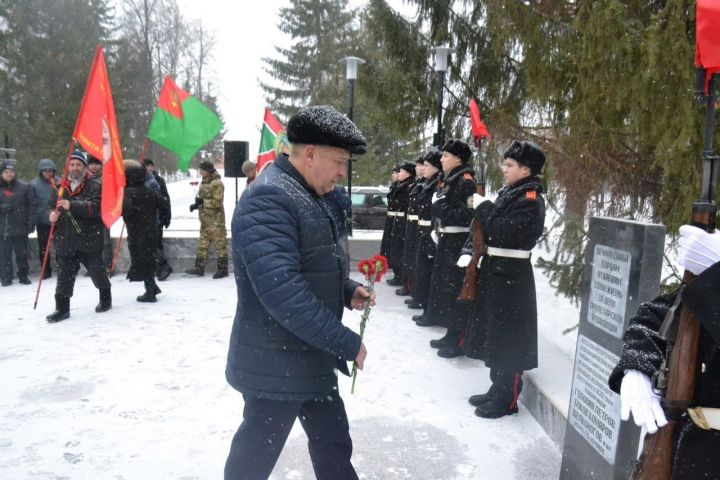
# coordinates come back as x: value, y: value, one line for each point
x: 164, y: 217
x: 95, y: 166
x: 78, y: 237
x: 17, y: 221
x: 288, y: 340
x: 44, y: 184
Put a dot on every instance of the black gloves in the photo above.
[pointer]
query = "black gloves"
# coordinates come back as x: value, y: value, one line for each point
x: 198, y: 203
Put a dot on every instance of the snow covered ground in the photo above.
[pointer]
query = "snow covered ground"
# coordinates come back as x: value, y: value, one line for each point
x: 139, y: 392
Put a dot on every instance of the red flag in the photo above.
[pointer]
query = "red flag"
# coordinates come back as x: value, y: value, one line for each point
x: 96, y: 131
x: 707, y: 37
x: 478, y: 127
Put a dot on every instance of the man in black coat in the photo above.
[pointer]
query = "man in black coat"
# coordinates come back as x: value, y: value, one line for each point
x: 78, y: 236
x: 140, y: 211
x: 502, y: 327
x: 17, y: 221
x: 409, y: 248
x: 697, y: 434
x: 452, y: 213
x: 95, y: 167
x: 164, y: 217
x: 288, y: 340
x: 425, y: 248
x: 406, y: 182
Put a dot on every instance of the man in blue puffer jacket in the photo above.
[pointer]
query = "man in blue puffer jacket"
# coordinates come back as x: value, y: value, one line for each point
x: 288, y: 340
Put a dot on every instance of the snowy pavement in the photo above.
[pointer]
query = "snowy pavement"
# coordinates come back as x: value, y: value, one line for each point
x: 139, y: 393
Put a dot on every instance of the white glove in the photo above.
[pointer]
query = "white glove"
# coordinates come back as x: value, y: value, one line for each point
x: 434, y: 236
x: 636, y: 396
x: 698, y: 249
x: 436, y: 197
x: 464, y: 260
x: 478, y: 199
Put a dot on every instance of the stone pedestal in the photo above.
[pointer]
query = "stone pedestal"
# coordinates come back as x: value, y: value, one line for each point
x: 622, y: 270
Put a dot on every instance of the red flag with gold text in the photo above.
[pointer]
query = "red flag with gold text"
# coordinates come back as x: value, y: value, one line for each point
x: 96, y: 131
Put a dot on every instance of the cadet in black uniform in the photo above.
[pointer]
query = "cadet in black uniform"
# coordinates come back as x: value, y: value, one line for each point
x: 406, y: 181
x: 389, y: 220
x: 425, y: 247
x: 452, y: 213
x: 502, y: 327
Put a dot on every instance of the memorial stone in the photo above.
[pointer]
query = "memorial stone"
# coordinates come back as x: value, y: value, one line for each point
x: 622, y: 270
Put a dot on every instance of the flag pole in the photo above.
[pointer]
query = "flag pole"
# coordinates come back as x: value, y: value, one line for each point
x: 53, y: 224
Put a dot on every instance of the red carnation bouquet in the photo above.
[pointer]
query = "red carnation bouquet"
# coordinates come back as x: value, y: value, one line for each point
x: 373, y: 269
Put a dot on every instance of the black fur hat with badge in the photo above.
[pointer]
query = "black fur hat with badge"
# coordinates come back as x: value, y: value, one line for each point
x: 323, y: 125
x: 528, y: 154
x: 433, y: 157
x: 408, y: 167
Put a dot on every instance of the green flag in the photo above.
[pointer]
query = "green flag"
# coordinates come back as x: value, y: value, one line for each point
x: 182, y: 124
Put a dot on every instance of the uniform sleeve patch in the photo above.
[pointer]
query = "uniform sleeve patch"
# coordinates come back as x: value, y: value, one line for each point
x: 531, y: 195
x: 467, y: 176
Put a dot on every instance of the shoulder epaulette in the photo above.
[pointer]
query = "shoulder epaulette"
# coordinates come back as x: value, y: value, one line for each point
x: 531, y: 195
x: 467, y: 176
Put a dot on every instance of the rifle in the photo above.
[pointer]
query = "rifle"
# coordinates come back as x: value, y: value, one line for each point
x: 678, y: 373
x: 468, y: 292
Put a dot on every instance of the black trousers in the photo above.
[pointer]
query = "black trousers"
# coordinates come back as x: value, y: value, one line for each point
x: 506, y: 387
x: 266, y: 425
x: 108, y: 252
x: 18, y: 244
x: 68, y: 266
x: 43, y: 233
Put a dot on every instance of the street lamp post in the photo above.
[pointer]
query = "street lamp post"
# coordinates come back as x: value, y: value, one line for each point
x: 441, y: 64
x: 351, y: 66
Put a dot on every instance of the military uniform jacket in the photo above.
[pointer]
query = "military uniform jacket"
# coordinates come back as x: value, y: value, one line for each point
x: 389, y: 220
x: 212, y: 211
x: 85, y: 209
x: 452, y: 208
x: 424, y: 212
x: 502, y: 329
x: 695, y: 450
x: 397, y: 236
x: 411, y: 228
x: 287, y: 338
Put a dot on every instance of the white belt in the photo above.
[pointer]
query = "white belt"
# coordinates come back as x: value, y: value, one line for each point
x: 705, y: 418
x: 399, y: 214
x: 507, y: 252
x: 413, y: 218
x: 453, y: 229
x: 392, y: 213
x: 425, y: 223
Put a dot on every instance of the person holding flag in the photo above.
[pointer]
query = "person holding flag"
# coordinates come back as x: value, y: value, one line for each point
x: 78, y: 236
x: 82, y: 205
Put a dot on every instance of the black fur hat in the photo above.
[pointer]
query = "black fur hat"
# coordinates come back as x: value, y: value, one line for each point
x: 323, y: 125
x: 433, y: 157
x: 528, y: 154
x: 458, y: 148
x: 396, y: 169
x: 408, y: 167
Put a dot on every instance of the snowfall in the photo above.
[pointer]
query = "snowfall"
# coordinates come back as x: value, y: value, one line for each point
x: 139, y: 392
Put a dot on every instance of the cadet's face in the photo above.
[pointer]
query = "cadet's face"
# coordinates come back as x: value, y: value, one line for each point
x: 450, y: 162
x: 513, y: 171
x: 430, y: 170
x: 76, y: 168
x: 403, y: 175
x: 327, y: 165
x: 8, y: 175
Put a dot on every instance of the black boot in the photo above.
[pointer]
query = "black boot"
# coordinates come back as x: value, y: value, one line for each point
x: 413, y: 305
x: 24, y: 279
x: 164, y: 271
x: 105, y: 301
x: 448, y: 340
x: 48, y: 273
x: 417, y: 318
x: 62, y: 309
x: 426, y: 322
x: 395, y: 282
x: 402, y: 291
x: 222, y: 268
x: 492, y: 409
x: 408, y: 301
x: 151, y: 291
x: 477, y: 400
x: 199, y: 269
